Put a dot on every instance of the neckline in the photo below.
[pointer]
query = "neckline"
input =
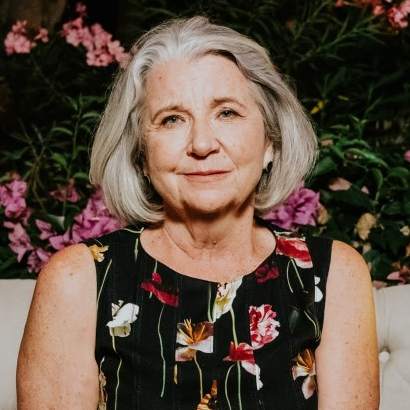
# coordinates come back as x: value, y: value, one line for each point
x: 266, y: 224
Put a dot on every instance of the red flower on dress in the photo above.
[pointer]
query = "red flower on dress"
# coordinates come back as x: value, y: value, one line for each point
x: 156, y: 286
x: 263, y: 325
x: 266, y: 272
x: 295, y: 248
x: 243, y: 353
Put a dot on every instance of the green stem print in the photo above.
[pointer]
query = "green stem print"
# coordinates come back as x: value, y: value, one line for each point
x: 201, y: 390
x: 162, y: 351
x: 226, y: 386
x: 118, y: 372
x: 297, y: 273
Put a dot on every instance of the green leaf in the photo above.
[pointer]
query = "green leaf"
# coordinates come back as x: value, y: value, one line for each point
x: 293, y: 319
x: 354, y: 197
x: 324, y: 166
x: 394, y: 208
x: 60, y: 160
x: 81, y: 175
x: 62, y: 130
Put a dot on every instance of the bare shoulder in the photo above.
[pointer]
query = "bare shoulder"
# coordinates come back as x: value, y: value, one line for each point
x: 57, y: 351
x: 68, y: 273
x: 347, y: 357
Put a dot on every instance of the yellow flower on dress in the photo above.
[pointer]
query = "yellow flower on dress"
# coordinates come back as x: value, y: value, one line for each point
x: 194, y: 337
x: 102, y: 402
x: 97, y: 252
x: 210, y: 400
x: 305, y: 366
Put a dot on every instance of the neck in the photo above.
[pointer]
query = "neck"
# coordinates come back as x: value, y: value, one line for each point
x: 210, y: 234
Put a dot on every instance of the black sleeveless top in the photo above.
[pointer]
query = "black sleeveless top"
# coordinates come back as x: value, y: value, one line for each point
x: 168, y: 341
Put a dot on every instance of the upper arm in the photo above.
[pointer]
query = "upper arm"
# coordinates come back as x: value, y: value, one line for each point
x: 347, y: 357
x: 56, y: 366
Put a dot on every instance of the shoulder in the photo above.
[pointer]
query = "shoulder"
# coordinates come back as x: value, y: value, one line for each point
x: 67, y: 269
x: 346, y: 265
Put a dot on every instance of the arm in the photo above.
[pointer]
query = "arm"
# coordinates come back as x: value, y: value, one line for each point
x: 347, y: 358
x: 56, y: 367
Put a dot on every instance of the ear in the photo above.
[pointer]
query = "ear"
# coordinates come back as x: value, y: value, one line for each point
x: 268, y: 157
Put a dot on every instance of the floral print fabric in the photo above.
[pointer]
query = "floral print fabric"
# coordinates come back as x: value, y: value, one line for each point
x: 169, y: 341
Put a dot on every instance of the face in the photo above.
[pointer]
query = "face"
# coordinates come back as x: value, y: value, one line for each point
x: 204, y: 135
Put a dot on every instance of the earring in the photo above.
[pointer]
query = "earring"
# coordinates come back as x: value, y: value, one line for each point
x: 147, y: 180
x: 268, y: 168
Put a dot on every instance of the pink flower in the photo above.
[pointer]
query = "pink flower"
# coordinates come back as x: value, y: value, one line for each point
x: 407, y: 156
x: 339, y: 184
x: 68, y: 193
x: 263, y: 325
x: 12, y: 198
x: 398, y: 16
x: 101, y: 50
x: 299, y: 209
x: 37, y: 259
x: 402, y: 275
x: 17, y: 41
x: 163, y: 294
x: 266, y: 272
x: 61, y: 241
x: 95, y: 220
x: 81, y: 9
x: 19, y: 240
x: 45, y: 228
x: 295, y: 248
x: 42, y: 35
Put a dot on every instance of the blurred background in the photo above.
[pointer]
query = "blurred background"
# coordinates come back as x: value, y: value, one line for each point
x: 348, y: 62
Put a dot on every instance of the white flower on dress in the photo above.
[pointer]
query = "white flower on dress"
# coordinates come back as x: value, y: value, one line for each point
x: 122, y: 316
x: 318, y: 292
x: 225, y: 296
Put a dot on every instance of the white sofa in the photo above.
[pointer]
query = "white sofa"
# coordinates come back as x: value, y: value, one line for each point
x: 393, y: 332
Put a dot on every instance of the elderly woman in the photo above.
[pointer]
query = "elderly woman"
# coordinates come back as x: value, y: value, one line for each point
x: 198, y: 303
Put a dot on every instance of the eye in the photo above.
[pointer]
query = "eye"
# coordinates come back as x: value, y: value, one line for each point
x: 170, y: 120
x: 228, y: 113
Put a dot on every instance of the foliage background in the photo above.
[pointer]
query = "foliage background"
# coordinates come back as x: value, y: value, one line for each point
x: 348, y: 67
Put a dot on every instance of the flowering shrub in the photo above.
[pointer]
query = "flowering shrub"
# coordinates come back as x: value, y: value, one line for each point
x: 101, y: 49
x: 396, y: 12
x: 348, y: 59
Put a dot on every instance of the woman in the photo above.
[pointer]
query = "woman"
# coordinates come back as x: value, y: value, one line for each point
x: 200, y: 303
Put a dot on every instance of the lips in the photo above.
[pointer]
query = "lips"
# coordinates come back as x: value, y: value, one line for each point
x: 206, y: 173
x: 206, y: 176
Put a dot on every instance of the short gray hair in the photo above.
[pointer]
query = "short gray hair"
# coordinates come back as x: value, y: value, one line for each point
x: 118, y: 150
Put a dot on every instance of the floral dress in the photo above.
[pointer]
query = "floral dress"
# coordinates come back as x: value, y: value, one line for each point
x: 168, y: 341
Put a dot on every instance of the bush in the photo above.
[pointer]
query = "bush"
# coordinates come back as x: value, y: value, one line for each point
x: 347, y: 60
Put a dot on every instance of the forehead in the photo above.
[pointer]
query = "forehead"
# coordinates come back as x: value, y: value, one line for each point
x: 210, y: 75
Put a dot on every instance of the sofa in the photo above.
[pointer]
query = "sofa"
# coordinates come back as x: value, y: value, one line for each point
x: 393, y: 332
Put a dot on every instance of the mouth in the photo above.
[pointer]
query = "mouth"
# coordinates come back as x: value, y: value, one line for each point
x: 206, y: 176
x: 206, y: 173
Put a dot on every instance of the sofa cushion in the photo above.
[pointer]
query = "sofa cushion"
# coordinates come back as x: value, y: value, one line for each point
x: 15, y: 297
x: 393, y: 334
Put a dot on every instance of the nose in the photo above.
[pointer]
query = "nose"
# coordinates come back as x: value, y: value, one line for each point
x: 203, y: 139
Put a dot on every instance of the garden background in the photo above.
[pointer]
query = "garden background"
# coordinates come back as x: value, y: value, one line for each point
x: 348, y: 61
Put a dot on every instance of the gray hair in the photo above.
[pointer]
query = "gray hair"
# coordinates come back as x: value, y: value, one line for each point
x: 118, y: 151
